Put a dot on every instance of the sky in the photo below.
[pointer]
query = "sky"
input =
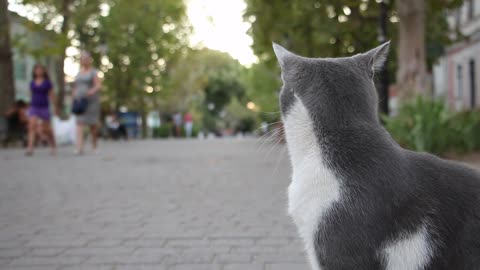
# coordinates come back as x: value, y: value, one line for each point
x: 217, y: 24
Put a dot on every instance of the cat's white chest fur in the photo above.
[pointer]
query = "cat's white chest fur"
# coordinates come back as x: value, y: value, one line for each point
x: 314, y: 188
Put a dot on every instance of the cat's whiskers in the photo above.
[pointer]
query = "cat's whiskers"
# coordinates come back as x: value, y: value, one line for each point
x: 274, y: 146
x: 269, y: 136
x: 279, y: 159
x: 268, y: 125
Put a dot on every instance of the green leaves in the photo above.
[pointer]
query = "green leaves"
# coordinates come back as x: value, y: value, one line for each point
x: 427, y: 126
x: 144, y: 38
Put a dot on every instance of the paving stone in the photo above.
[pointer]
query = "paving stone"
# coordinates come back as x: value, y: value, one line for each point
x: 246, y: 266
x: 89, y: 267
x: 286, y: 266
x: 139, y: 267
x: 196, y: 267
x: 46, y: 251
x: 154, y: 259
x: 163, y: 205
x: 233, y: 258
x: 87, y: 251
x: 54, y: 261
x: 37, y: 267
x: 12, y: 252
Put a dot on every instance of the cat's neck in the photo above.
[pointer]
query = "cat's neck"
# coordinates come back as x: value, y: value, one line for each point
x: 357, y: 149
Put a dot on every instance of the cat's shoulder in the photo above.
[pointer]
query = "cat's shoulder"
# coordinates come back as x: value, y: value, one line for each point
x: 439, y: 171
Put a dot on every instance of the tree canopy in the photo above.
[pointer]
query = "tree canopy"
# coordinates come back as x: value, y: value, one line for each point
x: 331, y: 28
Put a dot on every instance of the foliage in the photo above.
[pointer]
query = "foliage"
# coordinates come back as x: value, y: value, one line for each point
x: 166, y: 131
x: 239, y: 117
x: 426, y: 125
x: 65, y: 17
x: 163, y: 131
x: 312, y: 28
x: 143, y: 38
x: 421, y: 125
x: 336, y: 28
x: 262, y: 86
x: 331, y: 28
x: 217, y: 78
x: 465, y: 127
x: 201, y: 77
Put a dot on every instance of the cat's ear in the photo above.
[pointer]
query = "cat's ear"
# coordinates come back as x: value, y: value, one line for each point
x: 283, y: 55
x: 374, y: 60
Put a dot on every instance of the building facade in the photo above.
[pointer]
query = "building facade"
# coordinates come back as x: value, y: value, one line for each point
x: 25, y: 42
x: 456, y: 77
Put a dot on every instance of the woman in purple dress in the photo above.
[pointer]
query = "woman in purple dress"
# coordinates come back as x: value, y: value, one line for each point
x: 39, y: 113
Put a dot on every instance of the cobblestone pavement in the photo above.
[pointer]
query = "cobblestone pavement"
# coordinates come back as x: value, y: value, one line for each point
x: 214, y: 205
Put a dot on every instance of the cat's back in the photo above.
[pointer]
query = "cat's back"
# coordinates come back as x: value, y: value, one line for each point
x: 440, y: 175
x: 450, y: 192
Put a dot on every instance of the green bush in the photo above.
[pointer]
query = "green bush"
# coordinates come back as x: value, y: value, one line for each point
x: 428, y: 126
x: 166, y: 130
x: 195, y: 131
x: 465, y: 131
x: 163, y: 131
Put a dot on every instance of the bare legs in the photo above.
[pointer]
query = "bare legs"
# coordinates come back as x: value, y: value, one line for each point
x: 80, y: 138
x: 93, y: 133
x: 48, y: 131
x: 43, y: 129
x: 32, y: 132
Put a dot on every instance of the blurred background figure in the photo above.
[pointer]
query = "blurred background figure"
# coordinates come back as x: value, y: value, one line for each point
x: 264, y: 127
x: 188, y: 124
x: 42, y: 94
x: 115, y: 128
x: 87, y: 85
x: 17, y: 122
x: 177, y: 123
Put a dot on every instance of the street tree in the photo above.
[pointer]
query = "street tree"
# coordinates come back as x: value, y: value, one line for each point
x: 63, y: 17
x: 143, y: 38
x: 335, y: 28
x: 7, y: 92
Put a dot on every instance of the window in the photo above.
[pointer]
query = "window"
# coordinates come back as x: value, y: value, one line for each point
x: 470, y: 9
x: 458, y: 18
x: 459, y: 90
x: 473, y: 90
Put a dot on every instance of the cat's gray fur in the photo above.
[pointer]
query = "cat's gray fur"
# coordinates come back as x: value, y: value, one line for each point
x: 395, y: 209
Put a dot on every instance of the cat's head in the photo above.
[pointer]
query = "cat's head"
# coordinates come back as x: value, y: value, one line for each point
x: 333, y: 92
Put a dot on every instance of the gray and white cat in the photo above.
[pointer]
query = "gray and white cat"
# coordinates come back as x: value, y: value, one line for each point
x: 359, y: 200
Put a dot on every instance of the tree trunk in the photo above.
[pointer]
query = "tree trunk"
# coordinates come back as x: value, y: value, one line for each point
x: 7, y: 86
x: 383, y: 83
x: 59, y: 66
x: 61, y: 60
x: 412, y: 72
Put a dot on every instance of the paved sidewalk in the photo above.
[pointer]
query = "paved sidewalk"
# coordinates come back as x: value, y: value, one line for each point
x: 214, y: 205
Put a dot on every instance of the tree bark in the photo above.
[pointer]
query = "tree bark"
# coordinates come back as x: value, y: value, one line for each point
x: 412, y: 72
x: 61, y: 60
x: 7, y: 86
x: 383, y: 83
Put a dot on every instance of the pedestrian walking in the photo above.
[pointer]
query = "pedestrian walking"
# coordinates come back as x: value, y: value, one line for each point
x: 87, y: 102
x: 177, y: 122
x: 41, y: 90
x: 188, y: 124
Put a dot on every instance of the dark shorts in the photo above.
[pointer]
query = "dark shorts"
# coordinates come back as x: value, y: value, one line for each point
x: 40, y: 112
